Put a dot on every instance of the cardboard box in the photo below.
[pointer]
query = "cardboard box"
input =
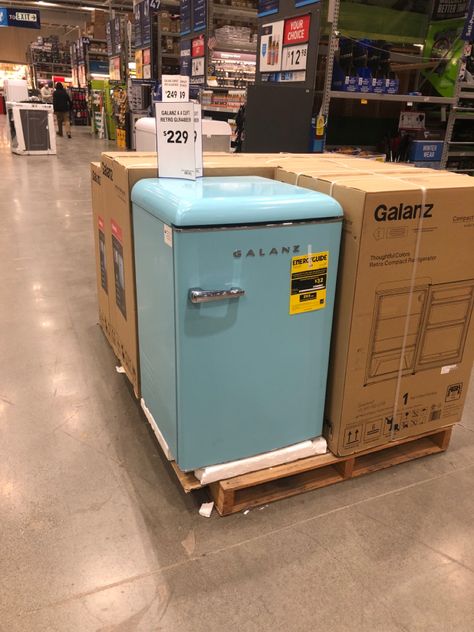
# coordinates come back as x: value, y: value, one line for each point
x: 119, y: 172
x: 308, y: 176
x: 403, y: 335
x: 103, y: 253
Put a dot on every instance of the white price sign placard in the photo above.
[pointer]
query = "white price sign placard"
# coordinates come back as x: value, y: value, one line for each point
x: 197, y: 67
x: 198, y: 139
x: 177, y: 133
x: 294, y: 57
x: 174, y: 88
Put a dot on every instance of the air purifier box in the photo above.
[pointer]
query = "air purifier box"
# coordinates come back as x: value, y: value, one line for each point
x: 403, y: 335
x: 103, y: 253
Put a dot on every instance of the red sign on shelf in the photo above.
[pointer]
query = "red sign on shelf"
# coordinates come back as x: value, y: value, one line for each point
x: 296, y: 30
x: 198, y: 46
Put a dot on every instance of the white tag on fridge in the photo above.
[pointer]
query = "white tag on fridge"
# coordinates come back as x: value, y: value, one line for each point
x: 198, y: 139
x: 174, y: 88
x: 168, y: 235
x: 176, y: 140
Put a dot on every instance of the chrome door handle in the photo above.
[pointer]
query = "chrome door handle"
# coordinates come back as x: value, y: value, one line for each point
x: 198, y: 295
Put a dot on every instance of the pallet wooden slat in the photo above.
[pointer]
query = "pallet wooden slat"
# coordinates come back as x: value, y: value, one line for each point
x: 259, y: 488
x: 282, y: 481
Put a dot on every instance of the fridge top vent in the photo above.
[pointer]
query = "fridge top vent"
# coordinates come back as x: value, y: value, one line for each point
x: 214, y: 201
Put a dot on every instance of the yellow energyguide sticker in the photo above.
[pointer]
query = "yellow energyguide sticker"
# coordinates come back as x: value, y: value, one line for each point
x: 308, y: 279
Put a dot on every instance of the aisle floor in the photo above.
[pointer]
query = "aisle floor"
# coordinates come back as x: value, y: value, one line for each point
x: 96, y: 536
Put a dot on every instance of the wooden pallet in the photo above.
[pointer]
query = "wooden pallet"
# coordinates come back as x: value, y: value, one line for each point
x: 259, y: 488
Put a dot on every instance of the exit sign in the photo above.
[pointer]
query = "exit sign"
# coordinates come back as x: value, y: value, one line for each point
x: 23, y: 18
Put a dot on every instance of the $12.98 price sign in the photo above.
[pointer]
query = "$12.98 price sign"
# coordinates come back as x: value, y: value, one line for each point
x: 294, y: 57
x: 178, y: 128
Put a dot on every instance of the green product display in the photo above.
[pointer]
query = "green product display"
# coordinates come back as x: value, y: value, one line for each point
x: 394, y: 20
x: 109, y: 111
x: 443, y: 42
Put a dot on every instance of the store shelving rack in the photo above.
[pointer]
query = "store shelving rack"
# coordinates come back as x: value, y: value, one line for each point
x: 233, y: 15
x: 328, y: 95
x: 93, y: 53
x: 462, y: 111
x: 45, y: 70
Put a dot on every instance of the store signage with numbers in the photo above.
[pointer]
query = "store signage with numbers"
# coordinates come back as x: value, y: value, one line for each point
x: 185, y: 16
x: 284, y: 49
x: 267, y: 7
x: 295, y: 42
x: 199, y: 15
x: 174, y: 88
x: 179, y: 133
x: 197, y: 68
x: 22, y: 18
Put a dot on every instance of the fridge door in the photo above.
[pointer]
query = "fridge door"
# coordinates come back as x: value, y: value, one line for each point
x: 445, y: 325
x: 388, y: 330
x: 250, y: 376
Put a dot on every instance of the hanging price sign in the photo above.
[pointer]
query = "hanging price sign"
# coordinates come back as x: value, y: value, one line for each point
x: 174, y: 88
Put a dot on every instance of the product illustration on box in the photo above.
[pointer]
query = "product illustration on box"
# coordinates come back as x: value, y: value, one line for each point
x: 434, y: 335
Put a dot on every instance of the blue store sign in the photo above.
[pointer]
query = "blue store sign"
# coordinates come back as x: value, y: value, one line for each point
x: 185, y: 16
x: 199, y: 15
x: 468, y: 31
x: 267, y: 7
x: 23, y: 18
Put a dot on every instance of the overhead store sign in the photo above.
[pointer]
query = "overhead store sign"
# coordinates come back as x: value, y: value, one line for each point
x: 468, y: 31
x: 23, y: 18
x: 199, y: 15
x: 185, y: 58
x: 185, y: 16
x: 113, y: 36
x: 267, y: 7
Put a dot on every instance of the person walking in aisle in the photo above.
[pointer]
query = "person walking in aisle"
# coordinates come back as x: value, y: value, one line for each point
x: 62, y: 107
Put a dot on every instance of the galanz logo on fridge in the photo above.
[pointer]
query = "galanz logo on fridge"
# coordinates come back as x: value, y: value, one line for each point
x: 260, y: 252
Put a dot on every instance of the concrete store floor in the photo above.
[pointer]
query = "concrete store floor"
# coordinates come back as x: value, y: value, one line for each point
x: 95, y: 534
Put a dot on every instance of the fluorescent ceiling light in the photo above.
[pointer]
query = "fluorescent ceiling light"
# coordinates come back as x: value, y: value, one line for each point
x: 47, y: 4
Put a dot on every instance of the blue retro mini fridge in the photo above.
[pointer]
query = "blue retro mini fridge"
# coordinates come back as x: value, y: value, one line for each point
x: 235, y: 291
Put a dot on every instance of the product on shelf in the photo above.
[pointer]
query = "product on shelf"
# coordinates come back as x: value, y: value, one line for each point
x: 225, y: 99
x: 231, y: 69
x: 80, y: 109
x: 364, y: 66
x: 235, y: 38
